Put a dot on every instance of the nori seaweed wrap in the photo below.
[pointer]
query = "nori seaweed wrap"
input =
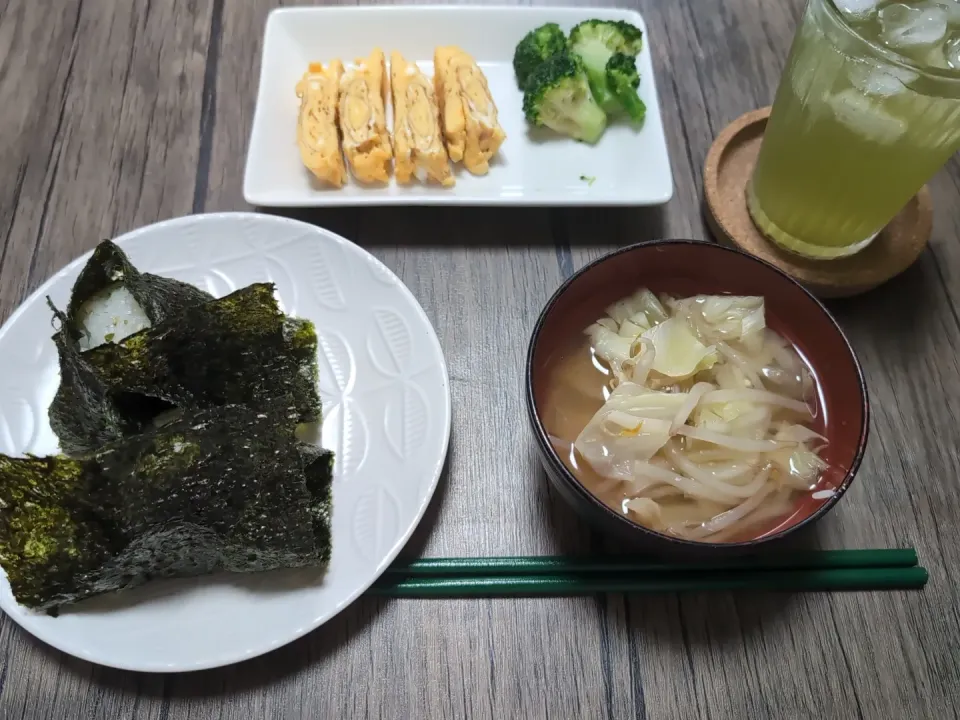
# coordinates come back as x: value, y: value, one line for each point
x: 85, y: 413
x: 197, y: 353
x: 159, y: 297
x: 238, y: 349
x: 230, y: 489
x: 180, y: 433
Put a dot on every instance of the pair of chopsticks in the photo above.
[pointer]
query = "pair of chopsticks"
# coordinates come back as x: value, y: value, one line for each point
x: 882, y: 569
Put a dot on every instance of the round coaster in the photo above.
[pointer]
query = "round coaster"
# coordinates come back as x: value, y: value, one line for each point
x: 726, y: 172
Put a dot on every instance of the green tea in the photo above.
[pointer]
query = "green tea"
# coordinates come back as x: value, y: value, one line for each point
x: 868, y: 109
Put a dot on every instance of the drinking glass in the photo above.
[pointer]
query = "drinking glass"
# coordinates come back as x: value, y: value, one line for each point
x: 868, y: 109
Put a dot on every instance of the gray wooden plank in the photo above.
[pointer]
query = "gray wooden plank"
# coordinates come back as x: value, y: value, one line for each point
x: 944, y: 248
x: 32, y: 117
x: 122, y: 143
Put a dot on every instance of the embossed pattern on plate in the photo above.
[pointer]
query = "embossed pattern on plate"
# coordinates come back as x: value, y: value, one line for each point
x: 386, y: 404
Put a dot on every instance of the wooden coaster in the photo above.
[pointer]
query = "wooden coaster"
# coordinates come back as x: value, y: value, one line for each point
x: 726, y: 172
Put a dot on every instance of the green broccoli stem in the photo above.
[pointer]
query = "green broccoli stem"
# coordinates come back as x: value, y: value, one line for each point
x: 634, y: 106
x: 597, y: 79
x: 591, y: 120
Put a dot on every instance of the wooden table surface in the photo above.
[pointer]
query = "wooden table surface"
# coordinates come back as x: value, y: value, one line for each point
x: 117, y: 114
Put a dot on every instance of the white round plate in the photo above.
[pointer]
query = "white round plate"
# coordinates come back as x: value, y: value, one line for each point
x: 386, y: 407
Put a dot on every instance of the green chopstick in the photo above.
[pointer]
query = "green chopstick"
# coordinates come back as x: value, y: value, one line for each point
x: 872, y: 578
x: 586, y: 565
x: 871, y: 569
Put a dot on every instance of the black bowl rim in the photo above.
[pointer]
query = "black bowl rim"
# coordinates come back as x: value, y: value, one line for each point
x: 550, y: 455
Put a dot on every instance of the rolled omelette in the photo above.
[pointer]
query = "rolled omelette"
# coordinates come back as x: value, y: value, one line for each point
x: 317, y: 134
x: 468, y: 114
x: 418, y: 148
x: 363, y: 123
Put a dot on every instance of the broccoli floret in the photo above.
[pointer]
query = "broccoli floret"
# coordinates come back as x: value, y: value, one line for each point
x: 595, y: 41
x: 558, y: 97
x: 623, y: 79
x: 538, y: 45
x: 617, y: 35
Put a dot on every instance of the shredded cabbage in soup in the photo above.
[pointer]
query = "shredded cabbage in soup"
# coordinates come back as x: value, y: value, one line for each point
x: 706, y: 414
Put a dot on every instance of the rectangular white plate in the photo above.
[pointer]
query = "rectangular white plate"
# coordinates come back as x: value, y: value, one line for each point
x: 630, y: 166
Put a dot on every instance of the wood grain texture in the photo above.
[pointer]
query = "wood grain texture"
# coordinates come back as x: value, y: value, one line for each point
x: 134, y: 112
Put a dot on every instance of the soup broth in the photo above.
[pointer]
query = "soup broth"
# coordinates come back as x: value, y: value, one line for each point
x: 578, y: 382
